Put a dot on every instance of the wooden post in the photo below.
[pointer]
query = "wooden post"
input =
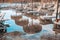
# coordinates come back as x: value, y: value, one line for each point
x: 32, y: 10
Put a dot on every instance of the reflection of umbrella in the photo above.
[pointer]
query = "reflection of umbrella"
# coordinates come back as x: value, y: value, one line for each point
x: 31, y: 29
x: 19, y: 21
x: 34, y: 28
x: 22, y: 22
x: 31, y: 15
x: 16, y: 17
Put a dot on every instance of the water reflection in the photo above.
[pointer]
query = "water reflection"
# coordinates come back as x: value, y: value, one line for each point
x: 46, y: 29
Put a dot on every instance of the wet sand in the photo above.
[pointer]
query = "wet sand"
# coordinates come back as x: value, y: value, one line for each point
x: 17, y: 36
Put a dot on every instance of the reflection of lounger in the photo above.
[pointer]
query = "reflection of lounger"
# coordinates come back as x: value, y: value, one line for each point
x: 49, y: 16
x: 47, y: 19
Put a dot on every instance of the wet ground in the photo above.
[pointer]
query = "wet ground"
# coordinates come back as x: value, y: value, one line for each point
x: 19, y: 36
x: 12, y: 33
x: 46, y: 29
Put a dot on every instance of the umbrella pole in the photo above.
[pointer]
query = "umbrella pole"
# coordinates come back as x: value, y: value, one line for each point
x: 32, y: 10
x: 57, y: 10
